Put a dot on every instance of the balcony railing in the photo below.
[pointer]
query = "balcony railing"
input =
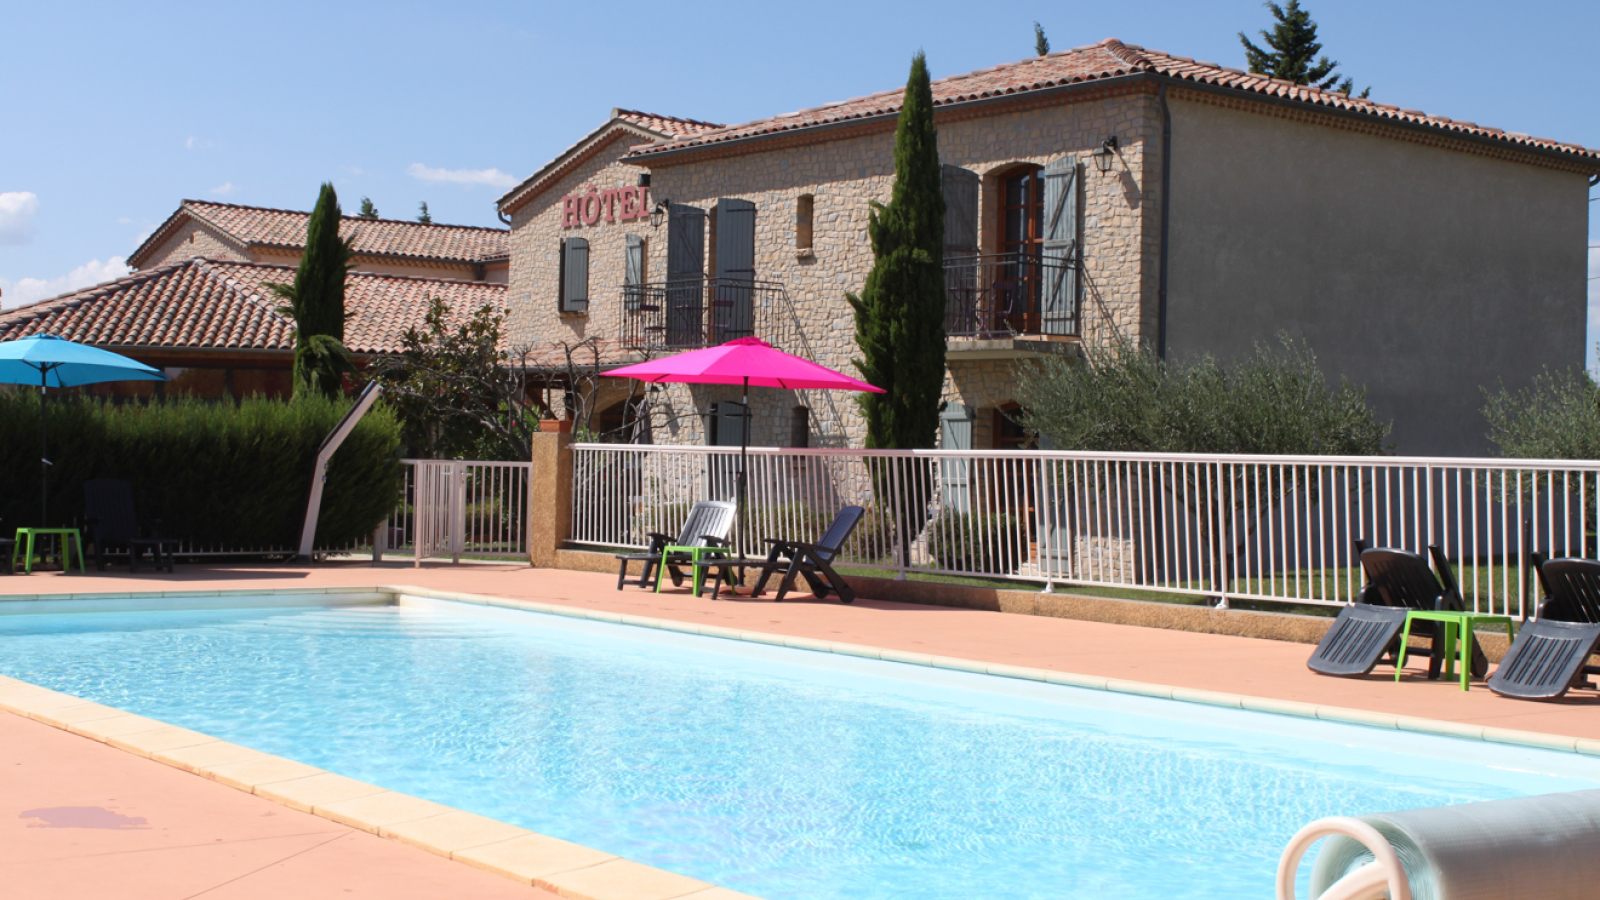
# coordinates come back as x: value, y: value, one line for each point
x: 1010, y: 294
x: 685, y: 314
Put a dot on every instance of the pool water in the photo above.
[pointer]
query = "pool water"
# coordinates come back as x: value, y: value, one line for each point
x: 776, y: 772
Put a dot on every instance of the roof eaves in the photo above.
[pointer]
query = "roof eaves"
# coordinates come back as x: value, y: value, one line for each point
x: 651, y: 154
x: 518, y: 196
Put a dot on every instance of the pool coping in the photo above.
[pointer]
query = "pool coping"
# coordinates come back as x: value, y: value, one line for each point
x: 562, y: 867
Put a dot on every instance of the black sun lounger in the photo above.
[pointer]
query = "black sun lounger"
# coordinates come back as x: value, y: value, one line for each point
x: 1552, y: 652
x: 707, y: 525
x: 813, y: 562
x: 108, y: 506
x: 1398, y: 582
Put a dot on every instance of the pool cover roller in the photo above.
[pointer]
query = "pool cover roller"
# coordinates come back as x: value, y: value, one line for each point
x: 1529, y: 848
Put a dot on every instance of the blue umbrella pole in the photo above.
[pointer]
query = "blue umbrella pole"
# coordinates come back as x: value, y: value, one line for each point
x: 44, y: 450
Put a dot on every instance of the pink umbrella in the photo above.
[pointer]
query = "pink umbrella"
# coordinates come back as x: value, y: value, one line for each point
x: 745, y: 361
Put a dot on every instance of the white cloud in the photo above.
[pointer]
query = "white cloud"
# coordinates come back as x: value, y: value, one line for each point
x: 27, y: 290
x: 491, y: 177
x: 17, y: 209
x: 223, y: 189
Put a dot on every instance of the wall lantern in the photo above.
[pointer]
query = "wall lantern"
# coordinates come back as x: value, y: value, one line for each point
x: 659, y: 214
x: 1103, y: 156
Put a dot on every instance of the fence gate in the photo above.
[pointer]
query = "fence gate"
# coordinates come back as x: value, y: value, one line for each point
x: 439, y: 515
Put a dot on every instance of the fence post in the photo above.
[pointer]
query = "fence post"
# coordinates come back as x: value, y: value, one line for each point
x: 549, y: 497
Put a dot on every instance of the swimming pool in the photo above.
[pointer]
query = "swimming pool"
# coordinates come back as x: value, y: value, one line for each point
x: 777, y: 772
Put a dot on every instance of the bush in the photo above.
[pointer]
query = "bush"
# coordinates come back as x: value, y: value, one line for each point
x: 1558, y: 417
x: 213, y: 473
x: 976, y: 542
x: 1126, y: 399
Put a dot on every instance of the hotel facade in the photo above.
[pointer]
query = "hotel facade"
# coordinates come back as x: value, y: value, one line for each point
x: 1107, y: 192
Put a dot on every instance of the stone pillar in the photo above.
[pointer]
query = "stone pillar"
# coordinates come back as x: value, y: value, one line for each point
x: 549, y: 497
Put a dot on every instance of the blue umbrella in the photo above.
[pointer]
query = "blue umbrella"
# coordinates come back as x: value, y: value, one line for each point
x: 50, y: 361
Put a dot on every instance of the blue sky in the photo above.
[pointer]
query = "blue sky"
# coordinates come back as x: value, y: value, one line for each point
x: 116, y: 111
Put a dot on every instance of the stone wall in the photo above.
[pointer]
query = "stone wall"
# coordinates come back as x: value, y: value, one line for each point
x: 195, y: 239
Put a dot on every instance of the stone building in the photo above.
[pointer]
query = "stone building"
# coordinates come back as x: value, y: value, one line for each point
x: 1106, y: 191
x: 276, y: 237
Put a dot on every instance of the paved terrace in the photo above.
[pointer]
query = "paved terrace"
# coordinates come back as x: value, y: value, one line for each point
x: 203, y: 839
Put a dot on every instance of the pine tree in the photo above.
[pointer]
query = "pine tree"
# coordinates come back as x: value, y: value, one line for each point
x: 1041, y: 44
x: 1293, y: 53
x: 316, y: 303
x: 900, y: 311
x: 423, y: 216
x: 368, y: 211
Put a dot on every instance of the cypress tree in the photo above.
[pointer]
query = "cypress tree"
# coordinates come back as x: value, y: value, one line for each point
x: 316, y: 303
x: 1293, y: 53
x: 900, y: 311
x: 368, y: 211
x: 1041, y: 44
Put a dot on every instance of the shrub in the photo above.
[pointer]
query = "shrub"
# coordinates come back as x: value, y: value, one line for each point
x: 1126, y: 399
x: 211, y: 472
x: 1557, y: 417
x: 975, y: 542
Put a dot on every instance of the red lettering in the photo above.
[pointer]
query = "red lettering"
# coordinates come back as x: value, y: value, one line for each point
x: 630, y: 203
x: 569, y: 211
x: 608, y: 198
x: 591, y: 207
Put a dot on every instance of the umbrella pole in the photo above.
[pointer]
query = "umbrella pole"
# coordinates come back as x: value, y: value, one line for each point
x: 44, y: 450
x: 744, y: 444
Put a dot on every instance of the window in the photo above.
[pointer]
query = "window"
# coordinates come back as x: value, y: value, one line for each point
x: 799, y: 427
x: 574, y: 276
x: 1022, y: 212
x: 633, y: 271
x: 1008, y: 431
x: 803, y: 209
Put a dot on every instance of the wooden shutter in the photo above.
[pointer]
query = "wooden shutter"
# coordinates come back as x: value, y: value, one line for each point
x: 574, y: 275
x: 955, y: 433
x: 960, y: 188
x: 733, y: 315
x: 730, y: 424
x: 1059, y: 247
x: 686, y: 251
x: 632, y: 271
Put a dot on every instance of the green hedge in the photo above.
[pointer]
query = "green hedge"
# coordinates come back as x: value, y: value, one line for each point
x: 214, y: 473
x: 976, y: 542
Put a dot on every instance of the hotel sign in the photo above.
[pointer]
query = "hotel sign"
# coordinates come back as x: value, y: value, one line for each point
x: 625, y: 204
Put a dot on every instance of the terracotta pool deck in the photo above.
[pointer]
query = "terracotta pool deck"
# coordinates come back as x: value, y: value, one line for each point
x: 203, y: 839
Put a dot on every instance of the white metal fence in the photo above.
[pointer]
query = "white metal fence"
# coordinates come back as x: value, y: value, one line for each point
x: 1261, y: 528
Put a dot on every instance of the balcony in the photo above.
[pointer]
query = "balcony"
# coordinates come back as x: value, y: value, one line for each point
x: 1002, y: 296
x: 687, y: 314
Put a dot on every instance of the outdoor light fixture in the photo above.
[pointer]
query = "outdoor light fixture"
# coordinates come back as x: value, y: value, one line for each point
x: 659, y: 214
x: 1102, y: 157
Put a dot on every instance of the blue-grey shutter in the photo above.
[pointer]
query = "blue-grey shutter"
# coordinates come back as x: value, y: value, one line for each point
x: 733, y: 315
x: 1060, y: 247
x: 574, y: 275
x: 955, y: 433
x: 632, y: 271
x: 960, y: 189
x: 686, y: 253
x: 730, y: 424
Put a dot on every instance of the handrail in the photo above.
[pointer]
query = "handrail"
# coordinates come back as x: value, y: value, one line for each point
x: 1455, y: 462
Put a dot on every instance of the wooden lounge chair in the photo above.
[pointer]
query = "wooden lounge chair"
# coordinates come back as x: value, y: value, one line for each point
x: 108, y: 507
x: 813, y: 562
x: 1398, y: 582
x: 1551, y: 653
x: 707, y: 525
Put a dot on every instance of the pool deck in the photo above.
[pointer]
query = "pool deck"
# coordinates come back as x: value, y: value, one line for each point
x: 203, y: 839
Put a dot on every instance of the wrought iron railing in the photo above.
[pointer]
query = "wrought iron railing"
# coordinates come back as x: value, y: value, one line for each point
x: 1009, y: 294
x: 690, y: 313
x: 1257, y: 528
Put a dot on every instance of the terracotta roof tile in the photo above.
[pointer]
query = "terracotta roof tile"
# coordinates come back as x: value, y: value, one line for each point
x: 1108, y: 59
x: 669, y: 126
x: 202, y: 304
x: 260, y: 227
